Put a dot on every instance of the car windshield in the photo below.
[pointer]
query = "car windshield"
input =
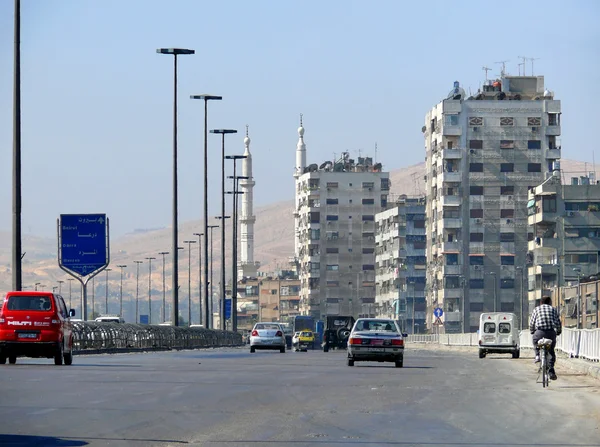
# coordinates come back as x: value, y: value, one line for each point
x: 273, y: 327
x: 36, y: 303
x: 376, y: 325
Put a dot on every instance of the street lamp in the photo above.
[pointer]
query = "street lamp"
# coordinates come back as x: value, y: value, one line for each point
x: 211, y: 227
x: 36, y: 285
x: 137, y: 291
x: 150, y: 289
x: 122, y: 266
x: 17, y: 272
x: 206, y: 98
x: 222, y: 286
x: 164, y: 306
x: 579, y: 314
x: 199, y: 276
x: 522, y: 272
x: 60, y: 283
x: 223, y: 132
x: 495, y: 286
x: 189, y: 280
x: 175, y: 52
x: 106, y: 298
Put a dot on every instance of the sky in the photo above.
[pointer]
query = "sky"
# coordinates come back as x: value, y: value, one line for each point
x: 97, y: 98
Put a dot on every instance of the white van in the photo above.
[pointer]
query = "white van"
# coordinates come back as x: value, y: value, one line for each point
x: 498, y: 334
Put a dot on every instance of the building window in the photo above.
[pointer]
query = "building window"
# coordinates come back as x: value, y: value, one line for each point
x: 476, y: 237
x: 507, y: 213
x: 313, y: 184
x: 332, y: 217
x: 476, y: 283
x: 368, y: 235
x: 475, y: 144
x: 534, y: 167
x: 368, y: 267
x: 507, y: 190
x: 315, y: 217
x: 475, y: 121
x: 333, y: 283
x: 507, y: 260
x: 507, y: 237
x: 314, y: 266
x: 507, y: 167
x: 368, y: 201
x: 332, y: 184
x: 385, y: 184
x: 452, y: 120
x: 476, y: 260
x: 368, y: 185
x: 507, y: 121
x: 332, y: 201
x: 332, y: 250
x: 315, y: 234
x: 507, y: 283
x: 553, y: 119
x: 333, y: 267
x: 368, y: 218
x: 368, y: 251
x: 476, y: 190
x: 507, y: 144
x: 419, y: 245
x: 534, y: 144
x: 451, y: 258
x: 507, y: 307
x: 251, y: 290
x: 418, y: 224
x: 476, y: 307
x: 534, y: 121
x: 476, y: 213
x: 475, y: 167
x: 549, y: 204
x: 452, y: 282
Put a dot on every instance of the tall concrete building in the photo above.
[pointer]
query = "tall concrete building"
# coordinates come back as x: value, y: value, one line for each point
x: 335, y: 209
x: 247, y: 266
x: 400, y: 256
x: 483, y: 153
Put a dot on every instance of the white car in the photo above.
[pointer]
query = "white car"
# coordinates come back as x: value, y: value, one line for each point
x: 267, y: 336
x: 376, y: 340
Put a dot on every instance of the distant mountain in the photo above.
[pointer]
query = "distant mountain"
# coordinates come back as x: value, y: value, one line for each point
x: 273, y: 238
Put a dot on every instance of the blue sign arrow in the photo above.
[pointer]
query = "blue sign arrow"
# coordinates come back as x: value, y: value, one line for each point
x: 438, y: 312
x: 83, y: 242
x: 227, y: 308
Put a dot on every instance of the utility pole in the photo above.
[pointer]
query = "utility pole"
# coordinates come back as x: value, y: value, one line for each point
x: 122, y: 266
x: 150, y: 289
x: 106, y: 299
x: 164, y: 306
x: 189, y: 280
x: 200, y: 319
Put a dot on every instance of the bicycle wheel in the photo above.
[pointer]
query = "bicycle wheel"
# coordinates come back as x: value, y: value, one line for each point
x: 545, y: 368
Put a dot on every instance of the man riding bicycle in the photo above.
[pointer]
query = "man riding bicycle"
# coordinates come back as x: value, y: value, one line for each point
x: 544, y: 323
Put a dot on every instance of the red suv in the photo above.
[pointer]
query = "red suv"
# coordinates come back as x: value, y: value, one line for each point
x: 35, y: 324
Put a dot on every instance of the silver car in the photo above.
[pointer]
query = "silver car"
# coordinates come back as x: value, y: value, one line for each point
x: 376, y: 340
x: 267, y: 336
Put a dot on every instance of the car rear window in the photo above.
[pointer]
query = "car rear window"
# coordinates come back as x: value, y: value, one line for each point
x: 376, y: 325
x: 306, y: 334
x: 268, y: 326
x: 35, y: 303
x: 489, y: 328
x: 504, y: 328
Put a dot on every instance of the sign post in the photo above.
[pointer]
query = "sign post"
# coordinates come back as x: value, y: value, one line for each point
x: 83, y: 248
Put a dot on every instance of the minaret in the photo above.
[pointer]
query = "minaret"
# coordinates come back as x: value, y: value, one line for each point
x: 247, y: 267
x: 300, y: 165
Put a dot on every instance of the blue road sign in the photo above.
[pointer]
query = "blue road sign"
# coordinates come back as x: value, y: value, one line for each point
x: 143, y: 319
x: 227, y: 308
x: 83, y: 242
x: 438, y: 312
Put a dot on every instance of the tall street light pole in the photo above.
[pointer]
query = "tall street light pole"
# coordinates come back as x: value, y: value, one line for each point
x: 211, y: 227
x: 175, y: 52
x: 121, y: 266
x: 164, y: 306
x: 189, y: 243
x: 206, y: 98
x: 60, y: 283
x: 200, y: 319
x: 223, y: 132
x: 106, y: 298
x: 150, y: 289
x: 17, y: 273
x: 137, y: 291
x: 222, y: 282
x: 521, y: 270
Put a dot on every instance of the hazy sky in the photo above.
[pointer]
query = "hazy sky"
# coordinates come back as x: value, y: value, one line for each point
x: 97, y: 99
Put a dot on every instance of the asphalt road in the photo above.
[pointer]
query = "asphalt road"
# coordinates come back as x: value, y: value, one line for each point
x: 229, y: 397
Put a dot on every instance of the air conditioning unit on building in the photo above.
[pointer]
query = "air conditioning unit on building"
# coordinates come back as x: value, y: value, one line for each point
x: 476, y: 267
x: 570, y: 213
x: 478, y: 221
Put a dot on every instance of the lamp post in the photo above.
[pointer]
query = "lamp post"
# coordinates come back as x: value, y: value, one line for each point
x: 106, y: 298
x: 121, y: 266
x: 189, y: 243
x: 222, y: 285
x: 17, y: 273
x: 150, y: 289
x: 60, y: 283
x: 200, y: 319
x: 522, y: 273
x: 206, y: 98
x: 223, y: 132
x: 211, y: 227
x: 579, y: 314
x: 137, y: 291
x: 164, y: 306
x: 70, y: 292
x: 174, y: 52
x: 495, y: 286
x: 36, y: 285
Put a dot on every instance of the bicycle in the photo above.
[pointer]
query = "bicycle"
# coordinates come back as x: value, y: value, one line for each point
x: 544, y: 345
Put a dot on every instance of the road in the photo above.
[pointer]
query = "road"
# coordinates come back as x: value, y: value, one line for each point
x: 229, y: 397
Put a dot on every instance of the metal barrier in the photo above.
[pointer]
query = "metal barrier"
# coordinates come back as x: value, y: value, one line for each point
x: 91, y: 336
x: 422, y: 338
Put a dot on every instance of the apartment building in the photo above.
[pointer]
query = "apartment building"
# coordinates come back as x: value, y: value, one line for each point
x: 483, y: 153
x: 564, y: 223
x: 400, y: 262
x: 335, y: 209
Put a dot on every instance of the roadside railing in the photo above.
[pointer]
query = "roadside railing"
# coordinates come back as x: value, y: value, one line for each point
x: 99, y: 337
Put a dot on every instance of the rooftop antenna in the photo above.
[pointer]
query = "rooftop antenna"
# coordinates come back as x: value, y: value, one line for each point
x: 522, y: 64
x: 486, y: 69
x: 524, y: 59
x: 532, y: 59
x: 503, y: 71
x: 376, y: 152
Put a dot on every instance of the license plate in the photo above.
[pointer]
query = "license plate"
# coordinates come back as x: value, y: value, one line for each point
x: 376, y: 349
x: 27, y: 335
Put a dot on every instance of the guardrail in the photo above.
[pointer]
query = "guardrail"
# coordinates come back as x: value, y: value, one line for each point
x: 95, y: 337
x: 581, y: 343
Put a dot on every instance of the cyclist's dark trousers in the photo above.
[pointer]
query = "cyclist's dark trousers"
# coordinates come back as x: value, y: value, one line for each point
x: 544, y: 333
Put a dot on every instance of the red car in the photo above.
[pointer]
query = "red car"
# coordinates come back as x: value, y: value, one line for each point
x: 35, y: 324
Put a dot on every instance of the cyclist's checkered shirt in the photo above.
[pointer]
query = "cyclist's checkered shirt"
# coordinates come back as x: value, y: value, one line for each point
x: 545, y: 317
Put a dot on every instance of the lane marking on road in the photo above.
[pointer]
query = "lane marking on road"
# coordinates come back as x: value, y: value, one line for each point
x: 47, y: 410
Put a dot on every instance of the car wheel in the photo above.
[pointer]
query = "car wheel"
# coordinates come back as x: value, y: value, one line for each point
x: 68, y: 358
x: 2, y: 360
x: 12, y: 359
x: 516, y: 354
x: 399, y: 363
x: 252, y: 350
x: 58, y: 356
x: 350, y: 361
x: 481, y: 354
x: 282, y: 350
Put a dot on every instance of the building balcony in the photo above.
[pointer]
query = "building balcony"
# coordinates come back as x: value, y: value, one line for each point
x: 448, y: 130
x: 447, y: 294
x: 541, y: 216
x: 553, y: 130
x: 451, y: 154
x: 453, y: 177
x: 452, y: 269
x: 451, y: 223
x: 544, y: 242
x: 451, y: 247
x: 553, y: 154
x: 452, y: 316
x: 546, y: 269
x: 451, y: 200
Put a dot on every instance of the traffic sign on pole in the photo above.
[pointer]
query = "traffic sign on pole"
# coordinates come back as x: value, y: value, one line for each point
x: 227, y: 308
x: 438, y: 312
x: 83, y: 243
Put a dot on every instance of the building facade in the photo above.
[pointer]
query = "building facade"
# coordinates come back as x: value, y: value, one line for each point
x: 335, y: 209
x: 483, y: 153
x: 400, y: 263
x: 564, y: 223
